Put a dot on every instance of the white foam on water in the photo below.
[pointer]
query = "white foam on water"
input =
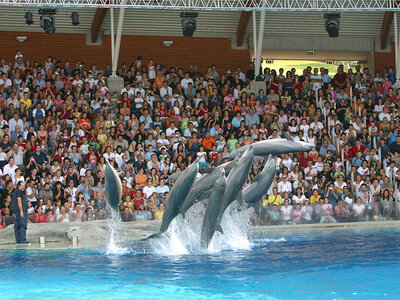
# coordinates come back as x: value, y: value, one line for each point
x: 114, y: 246
x: 235, y: 226
x: 183, y: 235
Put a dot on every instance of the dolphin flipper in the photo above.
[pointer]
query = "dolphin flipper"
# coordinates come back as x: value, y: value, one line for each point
x: 174, y: 176
x: 239, y: 198
x: 219, y: 228
x: 207, y: 171
x: 97, y: 189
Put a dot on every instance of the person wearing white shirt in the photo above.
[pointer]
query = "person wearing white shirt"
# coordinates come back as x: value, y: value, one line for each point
x: 310, y: 171
x: 90, y: 80
x: 304, y: 127
x: 148, y: 190
x: 10, y: 167
x: 139, y: 101
x: 14, y: 122
x: 287, y: 162
x: 316, y: 126
x: 140, y: 90
x: 286, y: 210
x: 319, y: 165
x: 129, y: 90
x: 385, y: 114
x: 278, y: 163
x: 165, y: 91
x: 109, y: 155
x: 316, y: 80
x: 5, y: 83
x: 170, y: 132
x: 284, y: 186
x: 391, y: 170
x: 185, y: 81
x: 162, y: 142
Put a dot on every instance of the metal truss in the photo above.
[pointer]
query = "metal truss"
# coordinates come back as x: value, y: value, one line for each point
x: 225, y: 5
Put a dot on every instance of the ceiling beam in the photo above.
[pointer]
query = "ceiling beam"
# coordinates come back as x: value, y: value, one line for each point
x: 242, y: 27
x: 97, y: 23
x: 386, y: 24
x: 243, y: 22
x: 222, y: 5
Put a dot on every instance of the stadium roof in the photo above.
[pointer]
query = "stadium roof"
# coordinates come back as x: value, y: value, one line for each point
x: 372, y: 19
x: 277, y: 5
x: 210, y: 23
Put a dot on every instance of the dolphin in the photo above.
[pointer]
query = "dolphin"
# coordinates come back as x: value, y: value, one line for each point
x: 235, y: 181
x: 227, y: 166
x: 211, y: 214
x: 178, y: 194
x: 202, y: 187
x: 273, y: 147
x: 261, y: 183
x: 113, y: 187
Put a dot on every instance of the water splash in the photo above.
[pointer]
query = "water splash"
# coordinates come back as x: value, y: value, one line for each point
x: 114, y: 246
x: 235, y: 225
x: 183, y: 235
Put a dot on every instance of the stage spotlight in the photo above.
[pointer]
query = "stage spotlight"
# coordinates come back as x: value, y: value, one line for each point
x: 47, y: 22
x: 75, y: 18
x: 29, y: 18
x: 189, y: 23
x: 332, y: 24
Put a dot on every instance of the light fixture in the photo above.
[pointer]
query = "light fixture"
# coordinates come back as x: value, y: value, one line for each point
x: 29, y: 18
x: 168, y: 43
x: 21, y: 39
x: 47, y: 20
x: 75, y: 18
x: 47, y: 23
x: 332, y: 24
x: 189, y: 23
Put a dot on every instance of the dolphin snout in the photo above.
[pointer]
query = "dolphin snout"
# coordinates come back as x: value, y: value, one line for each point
x: 307, y: 146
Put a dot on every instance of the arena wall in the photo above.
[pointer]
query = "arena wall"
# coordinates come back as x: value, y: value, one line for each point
x: 184, y: 52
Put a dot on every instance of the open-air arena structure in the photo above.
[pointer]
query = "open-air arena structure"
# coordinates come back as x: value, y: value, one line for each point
x: 199, y: 149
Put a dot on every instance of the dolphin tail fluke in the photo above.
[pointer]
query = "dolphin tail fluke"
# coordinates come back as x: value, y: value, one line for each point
x: 153, y: 236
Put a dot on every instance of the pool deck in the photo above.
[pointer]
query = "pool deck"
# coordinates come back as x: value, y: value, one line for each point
x: 96, y: 233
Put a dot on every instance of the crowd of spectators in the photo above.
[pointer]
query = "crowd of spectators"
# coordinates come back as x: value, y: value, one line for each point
x: 59, y: 123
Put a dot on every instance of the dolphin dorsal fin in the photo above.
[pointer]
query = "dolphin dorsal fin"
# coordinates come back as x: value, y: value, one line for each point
x: 288, y: 136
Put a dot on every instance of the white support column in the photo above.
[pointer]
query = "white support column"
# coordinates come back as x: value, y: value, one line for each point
x: 398, y: 49
x: 112, y: 35
x: 118, y: 40
x: 254, y: 34
x: 396, y: 46
x: 260, y: 41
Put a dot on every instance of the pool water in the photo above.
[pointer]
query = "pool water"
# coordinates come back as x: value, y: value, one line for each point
x: 337, y: 264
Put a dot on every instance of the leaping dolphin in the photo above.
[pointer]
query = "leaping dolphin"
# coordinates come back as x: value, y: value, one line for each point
x: 211, y: 214
x: 273, y: 147
x: 235, y: 181
x: 260, y: 184
x: 113, y: 187
x: 202, y: 187
x: 178, y: 194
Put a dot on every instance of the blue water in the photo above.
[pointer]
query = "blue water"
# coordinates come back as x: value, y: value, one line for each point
x: 341, y: 264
